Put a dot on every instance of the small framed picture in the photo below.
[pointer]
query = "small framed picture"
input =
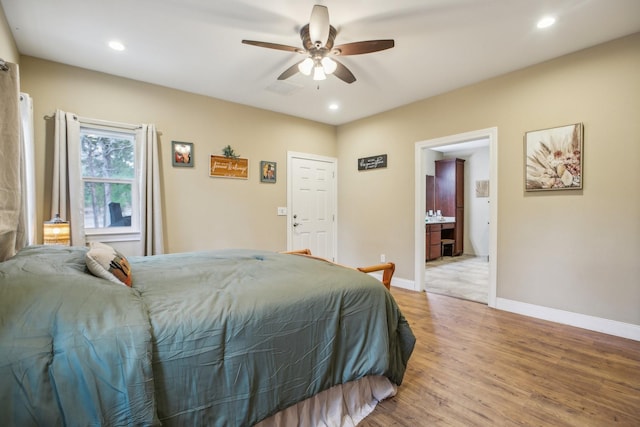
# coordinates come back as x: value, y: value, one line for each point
x: 267, y: 171
x: 182, y: 154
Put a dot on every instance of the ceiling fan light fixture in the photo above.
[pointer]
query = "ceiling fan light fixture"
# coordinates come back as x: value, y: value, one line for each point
x: 318, y: 48
x: 306, y: 66
x: 329, y: 65
x: 318, y: 73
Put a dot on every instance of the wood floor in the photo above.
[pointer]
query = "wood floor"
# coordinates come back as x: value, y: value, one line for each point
x: 477, y: 366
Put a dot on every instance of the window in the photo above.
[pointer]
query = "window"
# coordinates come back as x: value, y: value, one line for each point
x: 108, y: 174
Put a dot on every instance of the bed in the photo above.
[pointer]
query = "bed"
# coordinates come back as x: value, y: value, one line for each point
x: 215, y: 338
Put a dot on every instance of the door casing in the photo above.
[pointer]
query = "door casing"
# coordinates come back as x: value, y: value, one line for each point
x: 419, y: 250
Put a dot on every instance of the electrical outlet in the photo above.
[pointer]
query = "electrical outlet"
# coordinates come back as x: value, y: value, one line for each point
x: 282, y: 211
x: 383, y: 258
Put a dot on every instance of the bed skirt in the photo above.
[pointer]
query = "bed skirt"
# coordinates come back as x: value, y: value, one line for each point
x: 344, y: 405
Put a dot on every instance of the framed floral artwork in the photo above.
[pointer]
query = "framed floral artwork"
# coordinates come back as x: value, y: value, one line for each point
x: 553, y: 158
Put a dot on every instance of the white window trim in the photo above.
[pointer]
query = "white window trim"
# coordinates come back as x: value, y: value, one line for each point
x: 118, y: 234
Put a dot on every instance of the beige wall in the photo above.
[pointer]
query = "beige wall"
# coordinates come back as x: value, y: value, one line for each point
x: 8, y: 49
x: 200, y: 212
x: 576, y: 251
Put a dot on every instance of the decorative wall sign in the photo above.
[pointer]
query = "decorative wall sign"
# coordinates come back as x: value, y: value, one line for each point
x: 226, y: 167
x: 182, y: 153
x: 267, y: 171
x: 373, y: 162
x: 553, y: 158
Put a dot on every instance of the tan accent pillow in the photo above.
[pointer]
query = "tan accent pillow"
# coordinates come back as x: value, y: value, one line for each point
x: 104, y: 261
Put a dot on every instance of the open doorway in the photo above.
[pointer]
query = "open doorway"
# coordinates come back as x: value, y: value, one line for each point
x: 456, y: 144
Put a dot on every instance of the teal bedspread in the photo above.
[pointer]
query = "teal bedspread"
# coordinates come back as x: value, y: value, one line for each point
x: 218, y: 338
x: 74, y: 349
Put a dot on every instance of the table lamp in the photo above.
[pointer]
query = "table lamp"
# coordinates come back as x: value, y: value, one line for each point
x: 56, y: 232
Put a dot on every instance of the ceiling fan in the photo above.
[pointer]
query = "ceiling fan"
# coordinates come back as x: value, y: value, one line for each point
x: 317, y: 40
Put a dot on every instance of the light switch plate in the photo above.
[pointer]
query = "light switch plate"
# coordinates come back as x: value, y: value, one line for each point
x: 282, y: 211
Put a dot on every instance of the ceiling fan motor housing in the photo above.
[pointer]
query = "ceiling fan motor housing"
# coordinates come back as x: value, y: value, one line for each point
x: 309, y: 45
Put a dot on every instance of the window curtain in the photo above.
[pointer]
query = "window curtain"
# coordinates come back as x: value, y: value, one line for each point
x: 13, y: 216
x: 151, y: 223
x: 28, y: 172
x: 67, y: 192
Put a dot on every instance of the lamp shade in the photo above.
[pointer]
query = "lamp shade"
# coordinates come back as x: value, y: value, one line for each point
x: 306, y: 66
x: 56, y: 232
x: 318, y: 73
x: 329, y: 65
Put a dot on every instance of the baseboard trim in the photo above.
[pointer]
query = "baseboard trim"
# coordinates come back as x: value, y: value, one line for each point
x: 598, y: 324
x: 584, y: 321
x: 399, y: 282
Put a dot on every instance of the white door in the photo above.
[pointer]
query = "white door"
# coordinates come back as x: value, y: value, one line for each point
x: 312, y: 194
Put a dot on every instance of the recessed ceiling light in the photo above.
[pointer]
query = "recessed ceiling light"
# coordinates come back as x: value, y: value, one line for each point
x: 546, y: 22
x: 116, y: 45
x: 333, y: 106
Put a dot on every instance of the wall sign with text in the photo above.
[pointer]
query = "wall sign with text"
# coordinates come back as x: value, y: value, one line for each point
x: 372, y: 162
x: 229, y: 167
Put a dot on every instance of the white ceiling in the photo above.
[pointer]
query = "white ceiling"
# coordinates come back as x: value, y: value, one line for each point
x: 195, y: 45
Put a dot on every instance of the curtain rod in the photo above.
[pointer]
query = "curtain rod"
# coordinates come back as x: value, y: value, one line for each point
x: 103, y: 123
x: 3, y: 65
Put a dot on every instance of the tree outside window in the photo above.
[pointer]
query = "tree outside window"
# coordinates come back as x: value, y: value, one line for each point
x: 108, y: 175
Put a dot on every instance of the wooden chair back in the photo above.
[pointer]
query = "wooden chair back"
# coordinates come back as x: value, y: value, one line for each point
x: 387, y: 268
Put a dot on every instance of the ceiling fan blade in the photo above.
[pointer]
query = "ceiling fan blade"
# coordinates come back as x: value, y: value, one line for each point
x: 319, y: 25
x: 289, y: 71
x: 273, y: 46
x: 358, y: 48
x: 343, y: 73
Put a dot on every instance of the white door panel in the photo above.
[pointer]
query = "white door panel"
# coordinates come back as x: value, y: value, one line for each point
x: 312, y: 204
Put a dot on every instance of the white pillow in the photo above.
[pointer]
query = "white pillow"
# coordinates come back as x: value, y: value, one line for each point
x: 104, y: 261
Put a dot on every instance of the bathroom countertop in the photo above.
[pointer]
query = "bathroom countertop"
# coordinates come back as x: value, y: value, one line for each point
x: 436, y: 220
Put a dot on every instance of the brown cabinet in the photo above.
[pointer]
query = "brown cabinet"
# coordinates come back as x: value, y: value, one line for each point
x: 430, y: 194
x: 433, y: 248
x: 450, y: 198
